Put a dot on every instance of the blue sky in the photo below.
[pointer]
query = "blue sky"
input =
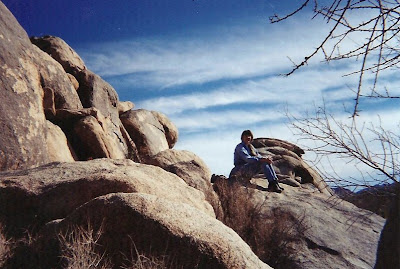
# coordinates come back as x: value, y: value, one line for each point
x: 213, y: 67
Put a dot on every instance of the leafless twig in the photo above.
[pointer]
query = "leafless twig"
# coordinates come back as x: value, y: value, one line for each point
x: 378, y: 50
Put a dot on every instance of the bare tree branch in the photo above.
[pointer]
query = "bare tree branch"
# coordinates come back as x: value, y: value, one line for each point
x: 375, y: 147
x: 379, y: 52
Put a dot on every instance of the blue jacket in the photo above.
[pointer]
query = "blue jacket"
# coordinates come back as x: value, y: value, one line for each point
x: 242, y: 155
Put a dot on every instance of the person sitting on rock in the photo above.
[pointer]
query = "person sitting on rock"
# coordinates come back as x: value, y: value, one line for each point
x: 248, y: 162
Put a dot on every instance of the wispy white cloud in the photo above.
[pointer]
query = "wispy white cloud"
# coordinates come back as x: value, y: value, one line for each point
x: 298, y: 90
x: 204, y: 120
x: 236, y: 51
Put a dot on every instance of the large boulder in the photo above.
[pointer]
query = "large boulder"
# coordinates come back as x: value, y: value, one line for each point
x: 96, y: 140
x: 191, y: 169
x: 60, y: 51
x: 96, y: 92
x: 124, y: 106
x: 186, y: 165
x: 336, y: 234
x: 151, y: 131
x: 27, y: 76
x: 289, y: 165
x: 277, y: 143
x: 170, y: 130
x: 90, y: 136
x: 93, y: 92
x: 22, y: 120
x: 57, y: 145
x: 156, y: 226
x: 53, y: 191
x: 53, y: 76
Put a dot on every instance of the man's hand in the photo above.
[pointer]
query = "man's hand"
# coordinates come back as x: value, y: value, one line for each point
x: 266, y: 160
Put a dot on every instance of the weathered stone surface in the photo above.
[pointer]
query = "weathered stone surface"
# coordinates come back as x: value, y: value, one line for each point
x: 74, y: 81
x: 170, y: 130
x: 22, y: 121
x: 191, y: 169
x: 93, y: 91
x: 91, y: 135
x: 49, y: 106
x: 75, y: 114
x: 337, y: 235
x: 54, y: 77
x: 95, y: 140
x: 60, y: 51
x: 26, y: 74
x: 273, y: 143
x: 133, y: 153
x: 98, y: 141
x: 57, y: 144
x: 53, y: 191
x: 288, y: 164
x: 124, y: 106
x: 164, y: 227
x: 186, y: 164
x: 146, y: 131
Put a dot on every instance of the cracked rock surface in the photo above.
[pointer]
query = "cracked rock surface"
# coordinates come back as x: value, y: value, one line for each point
x: 337, y: 233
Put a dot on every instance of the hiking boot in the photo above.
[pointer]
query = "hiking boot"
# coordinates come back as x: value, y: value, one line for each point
x: 273, y: 187
x: 279, y: 186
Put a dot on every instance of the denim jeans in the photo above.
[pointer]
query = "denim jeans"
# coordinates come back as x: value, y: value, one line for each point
x: 249, y: 170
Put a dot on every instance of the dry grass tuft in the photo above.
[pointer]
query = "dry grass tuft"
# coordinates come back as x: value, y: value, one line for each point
x: 137, y: 260
x: 145, y: 262
x: 271, y: 236
x: 239, y: 212
x: 78, y: 248
x: 6, y: 246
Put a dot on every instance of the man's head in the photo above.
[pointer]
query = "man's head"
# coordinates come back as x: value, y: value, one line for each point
x: 247, y: 137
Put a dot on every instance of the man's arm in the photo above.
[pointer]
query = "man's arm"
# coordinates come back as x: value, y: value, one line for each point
x: 263, y: 159
x: 245, y: 156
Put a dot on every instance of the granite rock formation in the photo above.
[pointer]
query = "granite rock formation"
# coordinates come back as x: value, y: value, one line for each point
x: 71, y: 153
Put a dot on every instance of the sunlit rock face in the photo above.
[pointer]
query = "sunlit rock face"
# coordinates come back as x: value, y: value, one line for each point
x: 289, y: 165
x: 151, y: 131
x: 24, y: 73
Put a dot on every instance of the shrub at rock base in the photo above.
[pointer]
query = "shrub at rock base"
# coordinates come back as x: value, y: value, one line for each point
x: 78, y: 248
x: 269, y: 236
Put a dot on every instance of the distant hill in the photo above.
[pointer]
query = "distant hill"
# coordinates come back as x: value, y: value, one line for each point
x: 376, y: 198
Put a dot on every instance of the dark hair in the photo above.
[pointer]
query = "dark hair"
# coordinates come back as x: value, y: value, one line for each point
x: 253, y: 151
x: 246, y: 133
